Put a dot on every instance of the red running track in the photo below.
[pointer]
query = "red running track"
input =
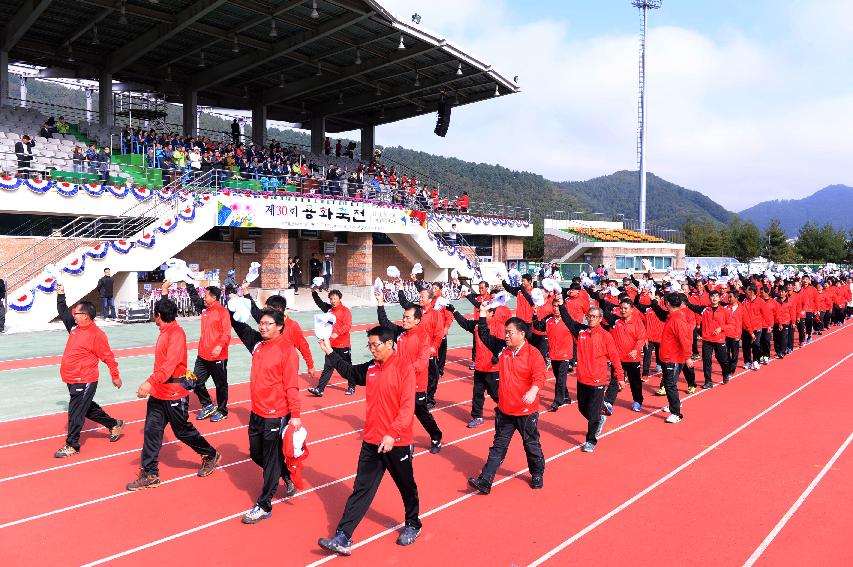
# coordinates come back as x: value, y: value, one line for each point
x: 709, y: 489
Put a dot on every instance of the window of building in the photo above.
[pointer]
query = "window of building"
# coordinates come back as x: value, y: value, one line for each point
x: 659, y: 263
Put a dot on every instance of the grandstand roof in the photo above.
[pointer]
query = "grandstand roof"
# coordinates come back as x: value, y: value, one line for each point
x: 238, y: 53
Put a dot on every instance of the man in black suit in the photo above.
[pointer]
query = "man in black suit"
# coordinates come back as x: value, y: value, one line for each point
x: 24, y: 151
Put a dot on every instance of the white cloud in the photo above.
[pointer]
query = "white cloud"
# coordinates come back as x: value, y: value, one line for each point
x: 726, y: 114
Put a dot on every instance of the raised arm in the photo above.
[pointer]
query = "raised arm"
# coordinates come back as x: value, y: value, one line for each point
x: 324, y: 307
x: 510, y: 288
x: 387, y: 323
x: 661, y: 313
x: 404, y: 303
x: 354, y: 373
x: 574, y: 327
x: 473, y: 299
x: 467, y: 324
x: 64, y: 313
x: 197, y: 301
x: 248, y: 336
x: 492, y: 342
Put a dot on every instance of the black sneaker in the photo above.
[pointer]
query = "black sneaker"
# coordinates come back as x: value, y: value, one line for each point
x: 350, y: 391
x: 430, y: 404
x: 536, y: 482
x: 480, y: 484
x: 208, y: 464
x: 316, y: 392
x: 339, y: 544
x: 289, y: 488
x: 707, y: 385
x: 143, y: 481
x: 408, y: 535
x: 115, y: 432
x: 435, y: 446
x: 554, y: 407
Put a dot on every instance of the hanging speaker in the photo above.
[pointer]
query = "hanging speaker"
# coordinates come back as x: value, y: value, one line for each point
x: 443, y: 121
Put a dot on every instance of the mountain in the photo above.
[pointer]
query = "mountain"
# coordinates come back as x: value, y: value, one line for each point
x: 667, y: 204
x: 832, y: 204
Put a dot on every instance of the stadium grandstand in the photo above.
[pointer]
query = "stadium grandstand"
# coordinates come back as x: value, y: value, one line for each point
x: 117, y: 183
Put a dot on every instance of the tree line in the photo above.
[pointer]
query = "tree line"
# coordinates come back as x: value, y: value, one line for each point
x: 743, y: 240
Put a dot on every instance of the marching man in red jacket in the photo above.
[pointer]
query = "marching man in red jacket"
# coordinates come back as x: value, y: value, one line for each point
x: 340, y: 340
x: 522, y: 374
x: 87, y: 344
x: 212, y: 359
x: 716, y: 321
x: 274, y: 388
x: 387, y: 438
x: 675, y: 350
x: 596, y: 347
x: 168, y: 401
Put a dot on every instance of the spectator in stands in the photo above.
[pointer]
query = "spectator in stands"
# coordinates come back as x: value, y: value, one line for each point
x: 180, y: 157
x: 327, y: 146
x: 462, y: 202
x: 62, y: 126
x: 24, y: 152
x: 235, y: 131
x: 45, y: 131
x: 78, y: 159
x: 195, y: 160
x: 338, y: 148
x: 92, y: 159
x: 104, y: 162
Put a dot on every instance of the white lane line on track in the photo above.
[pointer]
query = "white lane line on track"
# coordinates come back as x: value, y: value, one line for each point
x: 60, y: 435
x: 680, y: 468
x: 187, y: 476
x: 762, y: 547
x: 172, y: 442
x: 352, y: 476
x: 2, y: 421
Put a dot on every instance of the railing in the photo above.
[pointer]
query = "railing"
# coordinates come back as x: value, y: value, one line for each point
x: 83, y: 231
x: 437, y: 230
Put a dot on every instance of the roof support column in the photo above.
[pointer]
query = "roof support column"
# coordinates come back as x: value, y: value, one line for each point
x: 105, y: 99
x: 318, y: 134
x: 259, y: 123
x: 368, y: 137
x: 4, y: 78
x: 190, y: 112
x: 24, y: 91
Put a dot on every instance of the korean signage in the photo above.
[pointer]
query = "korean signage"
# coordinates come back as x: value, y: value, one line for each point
x: 311, y: 214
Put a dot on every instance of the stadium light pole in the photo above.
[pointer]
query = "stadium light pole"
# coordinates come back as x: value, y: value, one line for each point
x: 644, y: 6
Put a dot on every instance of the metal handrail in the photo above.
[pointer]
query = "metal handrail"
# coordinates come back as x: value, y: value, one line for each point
x: 83, y: 231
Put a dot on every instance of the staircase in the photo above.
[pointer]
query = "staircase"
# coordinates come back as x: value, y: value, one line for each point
x: 428, y: 246
x: 140, y: 238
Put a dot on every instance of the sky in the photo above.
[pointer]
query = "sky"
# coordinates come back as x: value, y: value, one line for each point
x: 747, y: 100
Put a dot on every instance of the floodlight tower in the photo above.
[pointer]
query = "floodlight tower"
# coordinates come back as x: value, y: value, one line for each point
x: 644, y: 6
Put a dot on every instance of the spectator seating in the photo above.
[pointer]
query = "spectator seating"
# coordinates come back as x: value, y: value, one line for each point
x: 613, y: 235
x: 52, y: 153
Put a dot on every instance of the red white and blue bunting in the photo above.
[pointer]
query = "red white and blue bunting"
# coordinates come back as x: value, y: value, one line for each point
x: 9, y: 183
x: 168, y: 226
x: 188, y: 214
x: 141, y: 193
x: 146, y: 240
x: 38, y: 185
x: 121, y: 246
x: 67, y: 189
x: 94, y: 190
x: 120, y: 191
x: 98, y: 251
x: 47, y: 284
x: 22, y: 300
x: 76, y: 266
